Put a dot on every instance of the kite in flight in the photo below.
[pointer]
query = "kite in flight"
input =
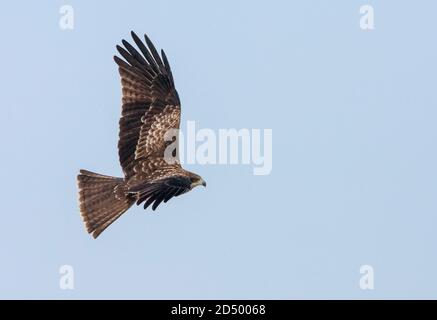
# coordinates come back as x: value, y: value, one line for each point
x: 150, y: 108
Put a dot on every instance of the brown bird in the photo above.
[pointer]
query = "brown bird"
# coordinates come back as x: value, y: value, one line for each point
x: 150, y: 108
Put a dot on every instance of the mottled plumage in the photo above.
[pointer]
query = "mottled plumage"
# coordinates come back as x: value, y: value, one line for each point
x: 150, y: 108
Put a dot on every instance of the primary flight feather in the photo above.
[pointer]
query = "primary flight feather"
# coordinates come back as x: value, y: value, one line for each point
x: 150, y: 108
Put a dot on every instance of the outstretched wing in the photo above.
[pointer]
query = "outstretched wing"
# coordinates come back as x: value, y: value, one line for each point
x: 160, y: 190
x: 151, y: 103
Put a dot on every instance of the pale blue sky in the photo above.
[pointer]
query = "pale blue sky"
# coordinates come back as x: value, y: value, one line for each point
x: 354, y: 175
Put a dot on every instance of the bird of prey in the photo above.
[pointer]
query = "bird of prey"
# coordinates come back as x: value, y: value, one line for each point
x: 150, y: 108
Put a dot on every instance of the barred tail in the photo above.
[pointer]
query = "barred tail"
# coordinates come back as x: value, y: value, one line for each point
x: 101, y: 199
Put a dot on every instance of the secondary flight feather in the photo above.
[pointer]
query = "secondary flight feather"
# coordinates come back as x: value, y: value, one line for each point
x: 150, y: 108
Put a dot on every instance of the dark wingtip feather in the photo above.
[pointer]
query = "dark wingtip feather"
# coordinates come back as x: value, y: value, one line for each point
x: 134, y: 35
x: 153, y: 51
x: 119, y: 48
x: 167, y: 65
x: 157, y: 203
x: 146, y: 37
x: 164, y: 57
x: 149, y: 202
x: 149, y: 57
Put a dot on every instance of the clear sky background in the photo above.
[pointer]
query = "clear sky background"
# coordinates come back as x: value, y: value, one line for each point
x: 354, y: 176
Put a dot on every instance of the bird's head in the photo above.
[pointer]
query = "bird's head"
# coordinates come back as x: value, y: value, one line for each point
x: 196, y: 180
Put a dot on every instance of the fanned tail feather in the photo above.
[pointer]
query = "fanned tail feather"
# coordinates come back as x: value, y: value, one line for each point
x: 102, y: 200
